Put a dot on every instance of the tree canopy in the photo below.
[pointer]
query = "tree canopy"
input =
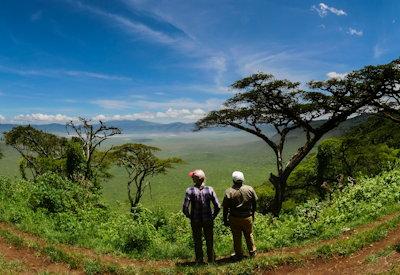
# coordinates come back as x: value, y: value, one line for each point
x: 90, y: 136
x: 262, y: 99
x: 41, y: 152
x: 140, y: 163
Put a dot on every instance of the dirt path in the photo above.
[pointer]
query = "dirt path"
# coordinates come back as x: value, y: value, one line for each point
x: 344, y: 236
x: 109, y: 259
x: 33, y: 262
x: 357, y: 263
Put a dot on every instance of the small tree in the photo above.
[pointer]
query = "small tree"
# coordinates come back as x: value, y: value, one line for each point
x: 140, y: 164
x: 91, y: 136
x: 41, y: 152
x: 389, y: 105
x: 281, y: 103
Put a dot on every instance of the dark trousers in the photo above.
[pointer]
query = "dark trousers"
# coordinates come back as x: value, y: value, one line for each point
x: 198, y: 228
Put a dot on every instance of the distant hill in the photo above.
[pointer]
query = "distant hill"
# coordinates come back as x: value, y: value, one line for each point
x: 338, y: 131
x: 142, y: 127
x: 127, y: 127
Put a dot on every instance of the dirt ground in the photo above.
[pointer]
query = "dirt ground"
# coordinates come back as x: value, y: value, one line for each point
x: 368, y: 260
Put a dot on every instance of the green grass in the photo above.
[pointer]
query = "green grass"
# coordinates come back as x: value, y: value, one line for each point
x: 12, y: 239
x: 217, y: 153
x: 382, y: 253
x: 73, y: 260
x: 338, y: 248
x: 10, y: 267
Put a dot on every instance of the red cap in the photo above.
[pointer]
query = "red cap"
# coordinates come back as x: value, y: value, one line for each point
x: 198, y: 173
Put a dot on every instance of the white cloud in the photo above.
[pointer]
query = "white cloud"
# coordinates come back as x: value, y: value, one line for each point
x: 2, y: 119
x: 355, y: 32
x: 61, y: 73
x: 94, y: 75
x: 181, y: 103
x: 128, y: 24
x: 169, y: 115
x: 218, y: 64
x: 43, y: 118
x: 111, y: 104
x: 286, y: 63
x: 336, y: 75
x: 378, y: 51
x: 322, y: 9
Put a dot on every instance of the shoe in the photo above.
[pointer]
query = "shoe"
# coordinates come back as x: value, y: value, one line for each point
x: 235, y: 257
x: 252, y: 254
x: 200, y: 262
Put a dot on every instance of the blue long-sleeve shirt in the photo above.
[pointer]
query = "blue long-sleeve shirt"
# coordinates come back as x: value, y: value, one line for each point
x: 199, y: 200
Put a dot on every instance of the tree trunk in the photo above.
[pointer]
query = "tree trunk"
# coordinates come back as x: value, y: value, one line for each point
x: 130, y: 196
x: 279, y: 184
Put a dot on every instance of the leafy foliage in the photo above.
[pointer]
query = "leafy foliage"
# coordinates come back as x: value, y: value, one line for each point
x: 140, y: 163
x: 41, y: 152
x: 366, y: 150
x: 158, y: 234
x: 90, y: 137
x: 54, y: 194
x: 78, y: 158
x: 282, y: 104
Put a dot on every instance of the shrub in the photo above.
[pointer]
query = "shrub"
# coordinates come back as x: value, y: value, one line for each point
x: 56, y: 194
x: 62, y: 211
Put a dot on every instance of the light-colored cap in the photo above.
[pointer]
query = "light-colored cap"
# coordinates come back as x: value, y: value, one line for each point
x: 237, y: 176
x: 198, y: 173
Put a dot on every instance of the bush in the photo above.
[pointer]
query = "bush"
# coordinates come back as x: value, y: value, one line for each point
x: 56, y: 194
x: 62, y: 211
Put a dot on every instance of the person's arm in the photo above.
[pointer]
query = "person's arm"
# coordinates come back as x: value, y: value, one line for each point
x: 225, y: 211
x: 215, y: 202
x: 186, y: 203
x: 254, y: 203
x: 254, y: 207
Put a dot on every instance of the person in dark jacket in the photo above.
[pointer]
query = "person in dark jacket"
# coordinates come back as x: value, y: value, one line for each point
x: 239, y: 206
x: 197, y: 207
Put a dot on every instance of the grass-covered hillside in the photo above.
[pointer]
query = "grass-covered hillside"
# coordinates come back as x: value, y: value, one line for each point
x: 60, y: 211
x: 218, y: 153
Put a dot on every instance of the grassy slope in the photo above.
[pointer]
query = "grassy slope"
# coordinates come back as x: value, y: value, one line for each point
x: 217, y: 153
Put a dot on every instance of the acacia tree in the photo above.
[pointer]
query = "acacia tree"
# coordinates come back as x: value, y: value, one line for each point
x: 140, y: 164
x: 389, y: 106
x: 264, y: 100
x: 91, y: 136
x: 40, y: 151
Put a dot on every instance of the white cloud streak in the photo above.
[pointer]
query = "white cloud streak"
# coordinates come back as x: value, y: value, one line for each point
x: 2, y: 119
x: 322, y: 9
x: 61, y: 73
x: 111, y: 104
x: 170, y: 114
x: 280, y: 63
x: 182, y: 103
x: 378, y: 51
x: 355, y: 32
x: 128, y: 24
x: 43, y: 118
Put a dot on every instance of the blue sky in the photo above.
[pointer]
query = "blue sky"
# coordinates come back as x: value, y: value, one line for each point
x: 168, y: 60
